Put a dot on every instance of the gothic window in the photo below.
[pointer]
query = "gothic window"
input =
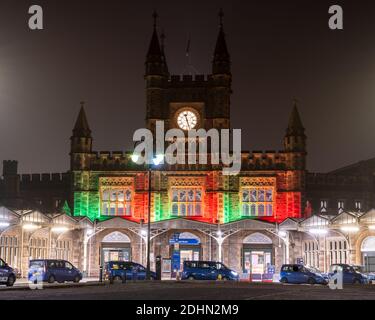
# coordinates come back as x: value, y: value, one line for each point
x: 38, y: 248
x: 63, y: 249
x: 311, y: 253
x: 323, y: 206
x: 341, y: 206
x: 338, y: 251
x: 9, y: 250
x: 358, y: 205
x: 257, y: 201
x: 116, y: 201
x: 186, y: 202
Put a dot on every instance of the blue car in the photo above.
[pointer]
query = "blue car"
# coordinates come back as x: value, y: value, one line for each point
x: 53, y: 270
x: 207, y: 270
x: 351, y: 274
x: 7, y: 274
x: 122, y: 271
x: 299, y: 274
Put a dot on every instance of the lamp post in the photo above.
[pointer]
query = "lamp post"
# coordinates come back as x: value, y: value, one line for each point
x: 156, y: 162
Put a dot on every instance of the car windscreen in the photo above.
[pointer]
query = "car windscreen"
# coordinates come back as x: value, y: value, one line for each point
x: 358, y: 269
x: 313, y: 270
x: 36, y: 264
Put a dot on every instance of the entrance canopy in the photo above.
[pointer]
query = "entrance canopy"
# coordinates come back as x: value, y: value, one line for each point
x: 368, y: 245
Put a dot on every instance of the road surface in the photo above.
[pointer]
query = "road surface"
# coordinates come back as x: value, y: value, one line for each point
x: 190, y: 291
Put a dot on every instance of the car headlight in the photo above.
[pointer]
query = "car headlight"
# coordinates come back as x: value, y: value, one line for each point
x: 234, y: 273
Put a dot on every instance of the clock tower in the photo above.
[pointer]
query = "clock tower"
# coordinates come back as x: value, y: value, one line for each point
x: 188, y: 101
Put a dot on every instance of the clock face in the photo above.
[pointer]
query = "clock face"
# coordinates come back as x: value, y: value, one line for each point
x: 187, y: 120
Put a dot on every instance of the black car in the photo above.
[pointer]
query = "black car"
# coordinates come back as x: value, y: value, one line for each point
x: 7, y: 274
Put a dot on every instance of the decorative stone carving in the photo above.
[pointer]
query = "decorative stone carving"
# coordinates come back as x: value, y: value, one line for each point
x: 258, y: 181
x: 117, y: 181
x: 187, y: 181
x: 116, y: 237
x: 257, y: 238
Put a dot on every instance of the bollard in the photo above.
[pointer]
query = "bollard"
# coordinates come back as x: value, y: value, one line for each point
x: 101, y: 274
x: 158, y: 267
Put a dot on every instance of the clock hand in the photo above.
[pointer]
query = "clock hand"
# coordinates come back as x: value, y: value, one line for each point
x: 187, y: 121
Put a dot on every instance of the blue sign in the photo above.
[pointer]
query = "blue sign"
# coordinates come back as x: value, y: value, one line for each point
x: 271, y: 269
x: 191, y: 242
x: 176, y: 260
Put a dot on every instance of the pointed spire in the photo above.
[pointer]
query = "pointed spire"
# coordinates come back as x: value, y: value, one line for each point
x: 155, y: 16
x: 154, y: 50
x: 81, y: 128
x: 221, y: 17
x: 155, y: 61
x: 163, y: 37
x: 221, y: 63
x: 295, y: 126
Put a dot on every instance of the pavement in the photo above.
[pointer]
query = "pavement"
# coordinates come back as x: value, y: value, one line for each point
x: 186, y: 290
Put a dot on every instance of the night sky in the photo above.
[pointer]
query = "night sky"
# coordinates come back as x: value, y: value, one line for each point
x: 95, y: 51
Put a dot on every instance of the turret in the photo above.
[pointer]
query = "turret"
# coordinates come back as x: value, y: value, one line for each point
x: 81, y: 143
x: 221, y: 64
x: 295, y: 141
x: 11, y: 179
x: 221, y: 80
x: 156, y: 77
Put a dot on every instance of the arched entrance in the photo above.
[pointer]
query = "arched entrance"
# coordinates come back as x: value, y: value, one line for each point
x: 368, y: 254
x: 116, y: 246
x: 257, y: 254
x: 184, y: 246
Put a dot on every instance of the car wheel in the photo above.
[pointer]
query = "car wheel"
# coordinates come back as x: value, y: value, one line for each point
x: 311, y: 281
x: 284, y: 280
x: 356, y: 281
x: 11, y: 281
x: 117, y: 279
x: 51, y: 279
x: 191, y: 278
x: 76, y: 279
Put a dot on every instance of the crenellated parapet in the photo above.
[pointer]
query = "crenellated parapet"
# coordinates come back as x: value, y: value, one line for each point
x: 44, y: 178
x: 268, y: 160
x: 184, y: 81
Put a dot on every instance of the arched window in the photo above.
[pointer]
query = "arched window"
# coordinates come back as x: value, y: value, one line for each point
x: 186, y: 202
x: 116, y: 201
x: 257, y: 201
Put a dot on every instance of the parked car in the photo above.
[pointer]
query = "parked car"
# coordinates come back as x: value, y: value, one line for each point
x: 370, y: 277
x: 300, y: 274
x: 7, y: 274
x: 53, y: 270
x: 122, y: 271
x: 207, y: 270
x: 351, y: 274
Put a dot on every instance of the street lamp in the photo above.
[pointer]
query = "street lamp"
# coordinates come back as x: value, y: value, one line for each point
x: 156, y: 162
x: 318, y: 231
x: 350, y: 229
x: 59, y: 229
x: 4, y: 224
x: 30, y: 227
